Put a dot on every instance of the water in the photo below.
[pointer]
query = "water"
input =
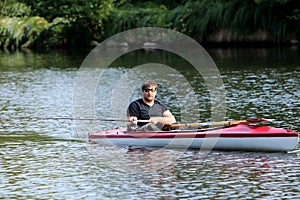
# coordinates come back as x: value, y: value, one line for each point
x: 50, y: 159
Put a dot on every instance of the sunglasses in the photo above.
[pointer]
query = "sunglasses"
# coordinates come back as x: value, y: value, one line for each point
x: 150, y: 90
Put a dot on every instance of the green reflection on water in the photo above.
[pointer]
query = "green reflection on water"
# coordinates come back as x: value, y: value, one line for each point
x: 24, y: 137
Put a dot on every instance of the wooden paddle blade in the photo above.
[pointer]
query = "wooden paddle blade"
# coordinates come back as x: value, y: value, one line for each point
x: 256, y: 120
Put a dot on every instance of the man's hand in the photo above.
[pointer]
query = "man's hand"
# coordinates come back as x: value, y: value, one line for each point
x: 132, y: 120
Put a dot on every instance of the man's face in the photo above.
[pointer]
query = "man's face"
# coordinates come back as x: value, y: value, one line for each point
x: 149, y: 93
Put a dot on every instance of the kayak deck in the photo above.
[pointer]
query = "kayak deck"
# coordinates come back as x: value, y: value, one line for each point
x: 237, y: 137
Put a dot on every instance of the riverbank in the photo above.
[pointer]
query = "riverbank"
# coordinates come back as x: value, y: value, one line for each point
x: 82, y: 24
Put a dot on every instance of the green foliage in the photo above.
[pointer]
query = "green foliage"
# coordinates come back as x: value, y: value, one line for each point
x: 198, y: 18
x: 78, y: 22
x: 18, y: 29
x: 20, y: 32
x: 54, y: 35
x: 242, y: 18
x: 202, y: 19
x: 12, y: 8
x: 278, y: 17
x: 295, y: 15
x: 128, y: 16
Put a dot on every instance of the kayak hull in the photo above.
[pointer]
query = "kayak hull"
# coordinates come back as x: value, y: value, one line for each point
x: 239, y: 137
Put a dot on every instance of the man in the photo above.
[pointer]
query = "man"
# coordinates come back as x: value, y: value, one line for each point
x: 147, y: 108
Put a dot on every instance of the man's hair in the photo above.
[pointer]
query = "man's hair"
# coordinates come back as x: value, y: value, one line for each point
x: 149, y: 84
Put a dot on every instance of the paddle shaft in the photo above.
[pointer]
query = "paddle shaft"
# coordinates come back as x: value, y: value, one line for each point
x: 72, y: 118
x: 206, y: 124
x: 249, y: 121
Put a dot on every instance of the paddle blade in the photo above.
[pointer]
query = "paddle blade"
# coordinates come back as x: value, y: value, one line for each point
x: 258, y: 120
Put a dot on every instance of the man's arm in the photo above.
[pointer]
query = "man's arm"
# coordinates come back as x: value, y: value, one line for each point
x: 132, y: 113
x: 167, y: 118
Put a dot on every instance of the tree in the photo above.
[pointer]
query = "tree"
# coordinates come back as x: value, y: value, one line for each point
x: 73, y: 22
x: 17, y: 27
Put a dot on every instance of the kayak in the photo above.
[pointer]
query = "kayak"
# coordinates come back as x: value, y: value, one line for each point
x: 236, y: 137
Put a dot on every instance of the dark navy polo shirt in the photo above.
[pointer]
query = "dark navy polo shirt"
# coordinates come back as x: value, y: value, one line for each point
x: 143, y: 111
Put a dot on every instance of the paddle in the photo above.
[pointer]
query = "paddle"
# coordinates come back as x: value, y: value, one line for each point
x: 248, y: 121
x: 72, y: 118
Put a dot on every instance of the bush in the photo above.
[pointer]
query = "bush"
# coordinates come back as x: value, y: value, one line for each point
x: 20, y: 31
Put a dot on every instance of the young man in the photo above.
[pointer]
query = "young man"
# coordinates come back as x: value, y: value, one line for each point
x: 147, y: 108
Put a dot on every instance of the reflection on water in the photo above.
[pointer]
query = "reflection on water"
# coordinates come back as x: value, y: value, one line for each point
x: 47, y: 159
x: 168, y: 173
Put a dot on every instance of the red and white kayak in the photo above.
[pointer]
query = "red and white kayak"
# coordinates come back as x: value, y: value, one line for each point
x: 240, y: 137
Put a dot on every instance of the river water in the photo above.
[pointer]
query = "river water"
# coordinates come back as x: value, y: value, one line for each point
x: 51, y: 158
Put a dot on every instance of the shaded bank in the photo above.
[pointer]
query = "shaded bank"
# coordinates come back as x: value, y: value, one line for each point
x: 72, y: 23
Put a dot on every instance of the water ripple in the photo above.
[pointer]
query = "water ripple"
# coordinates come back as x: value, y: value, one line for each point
x: 49, y: 160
